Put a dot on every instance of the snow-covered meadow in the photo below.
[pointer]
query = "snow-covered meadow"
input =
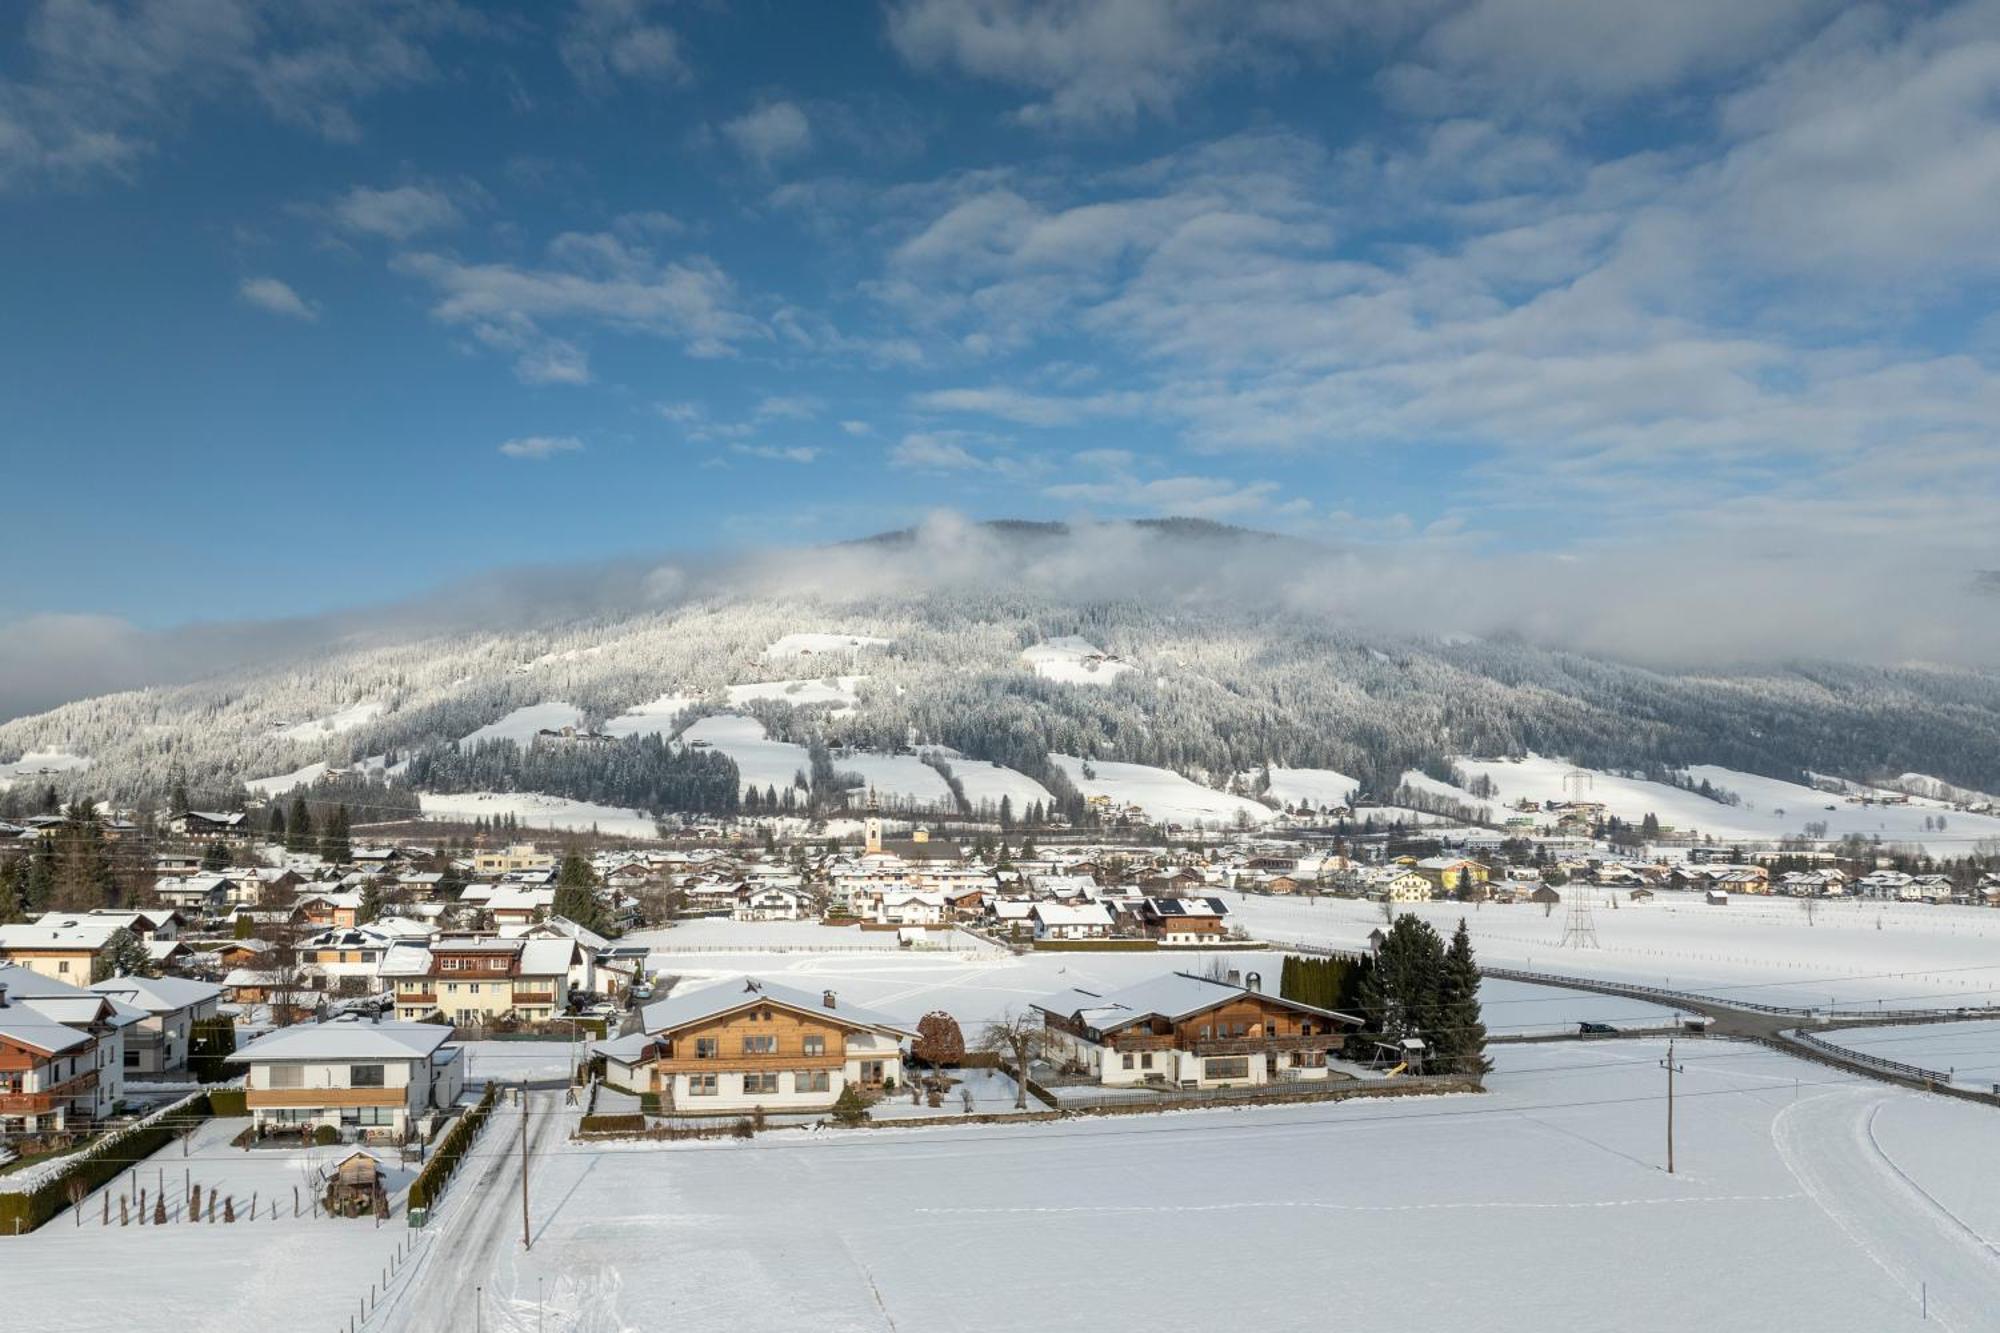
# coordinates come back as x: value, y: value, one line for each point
x: 1802, y: 1200
x: 1768, y: 949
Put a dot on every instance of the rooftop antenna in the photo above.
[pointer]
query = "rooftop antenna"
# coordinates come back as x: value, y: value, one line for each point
x: 1579, y: 930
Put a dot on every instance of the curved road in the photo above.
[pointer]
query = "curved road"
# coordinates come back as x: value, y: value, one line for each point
x: 1828, y: 1144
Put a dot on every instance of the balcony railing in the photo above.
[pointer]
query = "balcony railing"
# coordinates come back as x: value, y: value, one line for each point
x: 45, y: 1101
x: 1252, y: 1045
x: 726, y: 1063
x: 256, y: 1098
x: 1140, y: 1041
x: 534, y: 997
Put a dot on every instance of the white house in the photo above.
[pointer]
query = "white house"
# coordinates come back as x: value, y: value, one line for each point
x: 369, y: 1080
x: 158, y: 1044
x: 769, y: 902
x: 1062, y: 921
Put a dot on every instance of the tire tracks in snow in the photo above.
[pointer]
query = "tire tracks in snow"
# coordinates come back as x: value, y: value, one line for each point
x: 1828, y: 1144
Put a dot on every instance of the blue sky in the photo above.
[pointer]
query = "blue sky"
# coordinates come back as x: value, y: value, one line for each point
x: 314, y: 305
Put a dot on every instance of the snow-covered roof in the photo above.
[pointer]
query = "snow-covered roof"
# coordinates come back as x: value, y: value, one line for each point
x: 76, y: 932
x: 346, y: 1040
x: 1063, y: 914
x: 677, y: 1011
x: 157, y: 994
x: 1175, y: 996
x: 37, y: 1031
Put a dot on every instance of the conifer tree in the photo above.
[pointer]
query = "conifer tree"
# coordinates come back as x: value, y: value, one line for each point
x: 299, y: 827
x: 1461, y: 1035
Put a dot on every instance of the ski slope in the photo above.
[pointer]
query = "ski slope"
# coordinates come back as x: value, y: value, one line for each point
x: 45, y: 763
x: 1311, y: 786
x: 1163, y: 794
x: 283, y: 782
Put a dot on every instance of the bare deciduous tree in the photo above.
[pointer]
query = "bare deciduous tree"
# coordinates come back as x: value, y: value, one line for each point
x: 1018, y: 1037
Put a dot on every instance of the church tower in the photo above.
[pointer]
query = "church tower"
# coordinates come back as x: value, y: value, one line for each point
x: 872, y: 826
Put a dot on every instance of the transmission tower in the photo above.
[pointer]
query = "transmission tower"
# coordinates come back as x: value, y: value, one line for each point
x: 1579, y: 929
x: 1576, y: 782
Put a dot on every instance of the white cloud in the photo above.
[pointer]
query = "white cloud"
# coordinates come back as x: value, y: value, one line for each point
x: 1184, y: 496
x: 397, y: 214
x: 591, y: 279
x: 857, y: 428
x: 778, y: 453
x: 926, y: 452
x: 787, y: 407
x: 770, y: 133
x: 610, y: 40
x: 96, y: 83
x: 1105, y: 64
x: 277, y: 297
x: 541, y: 447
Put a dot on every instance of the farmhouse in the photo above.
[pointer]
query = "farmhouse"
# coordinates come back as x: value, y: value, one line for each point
x: 1191, y: 1032
x: 739, y: 1045
x: 367, y: 1080
x: 1180, y: 920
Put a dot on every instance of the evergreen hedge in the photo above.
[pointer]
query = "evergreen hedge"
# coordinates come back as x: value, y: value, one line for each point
x: 430, y: 1181
x: 96, y: 1165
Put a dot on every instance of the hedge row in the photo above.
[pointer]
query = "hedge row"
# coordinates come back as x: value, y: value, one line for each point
x: 226, y: 1102
x: 612, y: 1124
x: 96, y: 1166
x: 431, y: 1180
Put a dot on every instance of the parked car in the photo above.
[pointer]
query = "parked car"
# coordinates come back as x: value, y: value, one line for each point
x: 1596, y: 1030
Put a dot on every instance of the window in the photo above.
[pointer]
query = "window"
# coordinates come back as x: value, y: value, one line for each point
x: 701, y: 1085
x: 764, y: 1045
x: 1146, y: 1060
x: 62, y: 965
x: 364, y: 1076
x: 473, y: 986
x: 377, y: 1116
x: 1128, y: 1060
x: 288, y: 1076
x: 815, y: 1044
x: 707, y: 1048
x: 1235, y: 1066
x: 753, y: 1084
x: 131, y: 1058
x: 811, y: 1080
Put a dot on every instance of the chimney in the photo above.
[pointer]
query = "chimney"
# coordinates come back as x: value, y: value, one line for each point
x: 3, y: 997
x: 1255, y: 982
x: 1235, y: 977
x: 826, y: 998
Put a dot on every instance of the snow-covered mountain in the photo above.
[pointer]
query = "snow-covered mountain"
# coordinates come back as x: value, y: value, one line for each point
x: 1164, y: 664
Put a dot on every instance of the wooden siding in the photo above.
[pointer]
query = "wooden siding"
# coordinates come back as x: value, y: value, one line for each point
x: 271, y: 1098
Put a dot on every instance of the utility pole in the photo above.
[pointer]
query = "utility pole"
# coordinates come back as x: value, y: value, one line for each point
x: 527, y: 1240
x: 1672, y: 1069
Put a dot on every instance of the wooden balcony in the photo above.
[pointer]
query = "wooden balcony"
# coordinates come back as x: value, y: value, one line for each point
x: 45, y: 1101
x: 276, y: 1098
x: 1140, y: 1041
x: 738, y: 1064
x: 522, y: 997
x: 1252, y: 1045
x: 428, y: 997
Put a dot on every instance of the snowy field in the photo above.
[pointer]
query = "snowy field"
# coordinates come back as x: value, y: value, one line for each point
x: 1769, y: 809
x: 657, y: 717
x: 1802, y: 1200
x: 535, y: 811
x: 1161, y: 793
x: 764, y: 762
x: 1967, y: 1053
x: 1765, y: 949
x: 334, y: 723
x: 820, y: 645
x: 521, y: 725
x: 987, y: 783
x: 1073, y: 659
x: 44, y: 763
x: 248, y: 1277
x: 980, y: 983
x: 1313, y: 786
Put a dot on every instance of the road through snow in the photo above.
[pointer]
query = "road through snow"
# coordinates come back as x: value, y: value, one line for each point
x: 473, y: 1246
x: 1829, y: 1144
